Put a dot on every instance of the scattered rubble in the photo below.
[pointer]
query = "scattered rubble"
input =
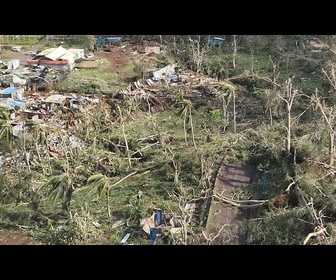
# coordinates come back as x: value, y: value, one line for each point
x: 23, y: 100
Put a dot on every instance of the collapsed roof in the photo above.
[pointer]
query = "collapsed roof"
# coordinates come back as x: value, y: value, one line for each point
x: 53, y: 53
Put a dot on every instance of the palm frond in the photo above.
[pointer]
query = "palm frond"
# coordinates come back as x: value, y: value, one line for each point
x: 96, y: 183
x: 6, y: 132
x: 58, y: 187
x: 95, y: 178
x: 4, y: 115
x: 186, y: 106
x: 227, y: 90
x: 31, y: 122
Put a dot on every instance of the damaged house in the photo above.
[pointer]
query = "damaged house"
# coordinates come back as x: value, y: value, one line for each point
x: 12, y: 80
x: 13, y: 64
x: 58, y: 99
x: 167, y: 72
x: 77, y: 53
x: 57, y: 58
x: 12, y: 97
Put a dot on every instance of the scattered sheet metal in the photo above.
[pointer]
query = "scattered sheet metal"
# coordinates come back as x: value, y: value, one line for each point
x: 56, y: 98
x: 165, y: 71
x: 158, y: 223
x: 124, y: 240
x: 75, y: 142
x: 149, y: 81
x: 148, y: 224
x: 96, y: 224
x: 119, y: 223
x: 18, y: 129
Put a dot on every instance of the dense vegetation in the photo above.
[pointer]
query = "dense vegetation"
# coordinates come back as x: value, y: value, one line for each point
x: 272, y: 106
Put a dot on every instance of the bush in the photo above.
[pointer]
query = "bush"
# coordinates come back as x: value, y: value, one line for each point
x: 79, y: 231
x: 279, y: 227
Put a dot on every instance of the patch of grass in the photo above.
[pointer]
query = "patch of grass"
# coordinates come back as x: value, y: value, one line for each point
x: 98, y: 73
x: 20, y: 39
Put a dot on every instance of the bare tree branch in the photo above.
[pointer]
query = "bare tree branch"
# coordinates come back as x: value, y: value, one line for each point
x: 210, y: 239
x: 241, y: 203
x: 291, y: 184
x: 317, y: 231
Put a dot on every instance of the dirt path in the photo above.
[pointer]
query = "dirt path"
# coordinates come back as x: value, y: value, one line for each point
x: 230, y: 179
x: 18, y: 239
x: 117, y: 57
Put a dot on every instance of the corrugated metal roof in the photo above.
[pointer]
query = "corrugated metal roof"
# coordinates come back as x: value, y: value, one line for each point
x: 56, y: 98
x: 168, y: 70
x: 56, y: 53
x: 68, y: 56
x: 218, y: 38
x: 107, y: 36
x: 76, y: 50
x: 60, y: 53
x: 46, y: 52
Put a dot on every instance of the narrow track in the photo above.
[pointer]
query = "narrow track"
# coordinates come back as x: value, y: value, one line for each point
x: 225, y: 218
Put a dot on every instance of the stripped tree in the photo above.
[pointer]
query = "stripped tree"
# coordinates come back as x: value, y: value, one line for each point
x: 227, y: 92
x: 329, y: 118
x: 288, y: 98
x: 198, y: 52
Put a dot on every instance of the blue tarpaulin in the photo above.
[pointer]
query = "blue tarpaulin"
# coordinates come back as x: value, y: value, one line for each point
x: 15, y: 103
x: 11, y: 91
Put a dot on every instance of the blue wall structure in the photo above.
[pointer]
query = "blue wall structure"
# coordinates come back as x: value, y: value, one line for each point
x: 216, y: 41
x: 108, y: 40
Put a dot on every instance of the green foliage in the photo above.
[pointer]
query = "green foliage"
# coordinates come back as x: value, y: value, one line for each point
x: 25, y: 40
x: 12, y: 215
x: 6, y: 128
x: 216, y: 120
x: 136, y: 208
x: 217, y: 67
x: 98, y: 183
x: 278, y: 227
x: 58, y: 187
x: 80, y: 230
x: 156, y: 142
x: 88, y: 88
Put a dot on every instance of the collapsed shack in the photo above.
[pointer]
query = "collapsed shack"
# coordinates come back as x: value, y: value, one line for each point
x: 41, y: 109
x: 159, y: 224
x: 11, y: 98
x: 149, y: 102
x: 162, y: 224
x: 151, y: 92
